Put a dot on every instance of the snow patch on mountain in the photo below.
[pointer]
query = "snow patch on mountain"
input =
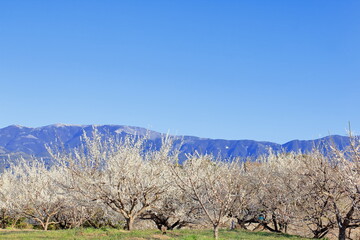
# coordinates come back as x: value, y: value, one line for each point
x: 59, y: 125
x: 30, y: 136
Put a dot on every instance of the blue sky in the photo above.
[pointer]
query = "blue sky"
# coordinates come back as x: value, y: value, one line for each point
x: 263, y: 70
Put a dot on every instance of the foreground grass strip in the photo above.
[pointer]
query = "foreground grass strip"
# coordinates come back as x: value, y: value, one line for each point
x: 108, y: 234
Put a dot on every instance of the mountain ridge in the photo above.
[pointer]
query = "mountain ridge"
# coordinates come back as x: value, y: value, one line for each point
x: 16, y: 141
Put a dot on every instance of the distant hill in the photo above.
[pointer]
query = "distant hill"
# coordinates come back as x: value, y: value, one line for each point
x: 16, y: 141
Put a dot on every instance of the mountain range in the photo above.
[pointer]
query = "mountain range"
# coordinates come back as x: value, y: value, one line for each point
x: 16, y: 141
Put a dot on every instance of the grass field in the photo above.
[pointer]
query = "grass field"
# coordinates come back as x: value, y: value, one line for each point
x: 107, y: 234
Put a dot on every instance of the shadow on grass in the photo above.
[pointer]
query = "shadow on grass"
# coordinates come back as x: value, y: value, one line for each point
x: 269, y: 234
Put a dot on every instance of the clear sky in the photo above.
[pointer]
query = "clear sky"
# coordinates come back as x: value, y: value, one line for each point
x: 262, y: 70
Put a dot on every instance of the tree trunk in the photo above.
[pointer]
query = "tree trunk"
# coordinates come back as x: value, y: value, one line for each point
x: 45, y: 226
x: 3, y: 220
x: 275, y: 223
x: 129, y: 223
x: 320, y: 233
x: 177, y: 223
x: 216, y: 231
x: 15, y: 222
x: 343, y: 225
x: 342, y: 233
x: 241, y: 223
x: 266, y: 226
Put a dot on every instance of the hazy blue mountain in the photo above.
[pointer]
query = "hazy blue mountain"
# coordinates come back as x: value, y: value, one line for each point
x: 16, y: 141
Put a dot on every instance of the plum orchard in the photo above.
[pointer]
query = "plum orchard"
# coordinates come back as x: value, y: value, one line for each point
x: 105, y: 182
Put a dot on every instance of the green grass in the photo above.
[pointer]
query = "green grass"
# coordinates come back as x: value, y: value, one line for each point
x: 108, y: 234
